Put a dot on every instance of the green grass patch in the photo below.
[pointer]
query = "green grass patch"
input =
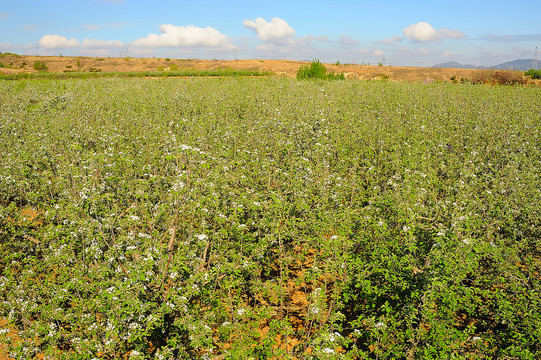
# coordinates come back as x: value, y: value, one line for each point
x: 97, y: 73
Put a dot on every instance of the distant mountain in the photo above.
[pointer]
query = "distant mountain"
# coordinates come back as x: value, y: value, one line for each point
x: 456, y: 65
x: 520, y: 65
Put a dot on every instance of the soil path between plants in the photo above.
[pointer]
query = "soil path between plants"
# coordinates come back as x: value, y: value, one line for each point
x: 3, y: 354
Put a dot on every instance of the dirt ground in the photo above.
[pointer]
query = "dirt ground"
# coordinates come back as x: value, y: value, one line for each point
x: 24, y: 63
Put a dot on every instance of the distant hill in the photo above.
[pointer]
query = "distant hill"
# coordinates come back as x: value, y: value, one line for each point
x: 520, y: 65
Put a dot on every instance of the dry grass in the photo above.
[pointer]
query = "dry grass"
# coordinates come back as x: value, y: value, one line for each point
x: 279, y: 67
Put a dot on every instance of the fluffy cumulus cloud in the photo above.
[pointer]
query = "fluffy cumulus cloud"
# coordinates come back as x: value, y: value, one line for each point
x: 275, y: 30
x: 424, y: 32
x: 57, y: 42
x: 175, y: 36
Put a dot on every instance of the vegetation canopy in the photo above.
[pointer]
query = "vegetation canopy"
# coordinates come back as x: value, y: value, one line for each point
x: 533, y: 73
x: 255, y: 218
x: 317, y: 70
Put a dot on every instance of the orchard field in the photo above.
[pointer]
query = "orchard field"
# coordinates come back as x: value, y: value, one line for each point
x: 239, y: 218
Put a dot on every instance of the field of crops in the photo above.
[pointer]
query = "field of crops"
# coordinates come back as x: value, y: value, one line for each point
x: 239, y: 218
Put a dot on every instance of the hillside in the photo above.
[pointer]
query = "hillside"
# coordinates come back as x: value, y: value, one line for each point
x: 11, y: 63
x: 518, y: 65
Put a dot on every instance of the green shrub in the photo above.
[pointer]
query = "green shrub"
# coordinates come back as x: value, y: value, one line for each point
x: 40, y: 65
x: 316, y: 70
x: 534, y: 74
x: 173, y: 67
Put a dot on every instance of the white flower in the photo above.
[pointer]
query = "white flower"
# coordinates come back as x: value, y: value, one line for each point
x: 328, y: 351
x: 201, y: 237
x: 379, y: 325
x: 171, y: 305
x: 178, y: 185
x: 241, y: 311
x: 405, y: 228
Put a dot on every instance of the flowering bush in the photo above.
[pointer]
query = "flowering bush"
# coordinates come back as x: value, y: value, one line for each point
x: 258, y: 218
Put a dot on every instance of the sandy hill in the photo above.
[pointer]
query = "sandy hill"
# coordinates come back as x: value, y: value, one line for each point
x: 11, y: 63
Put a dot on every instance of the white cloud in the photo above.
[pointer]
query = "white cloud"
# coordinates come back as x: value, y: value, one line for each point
x: 108, y: 25
x: 347, y: 40
x: 173, y: 36
x: 91, y: 27
x: 424, y: 32
x: 57, y: 42
x: 276, y: 29
x: 451, y: 34
x: 512, y: 38
x: 391, y: 41
x: 100, y: 44
x: 29, y: 28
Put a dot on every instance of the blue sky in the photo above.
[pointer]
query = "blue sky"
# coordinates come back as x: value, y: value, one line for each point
x: 408, y: 33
